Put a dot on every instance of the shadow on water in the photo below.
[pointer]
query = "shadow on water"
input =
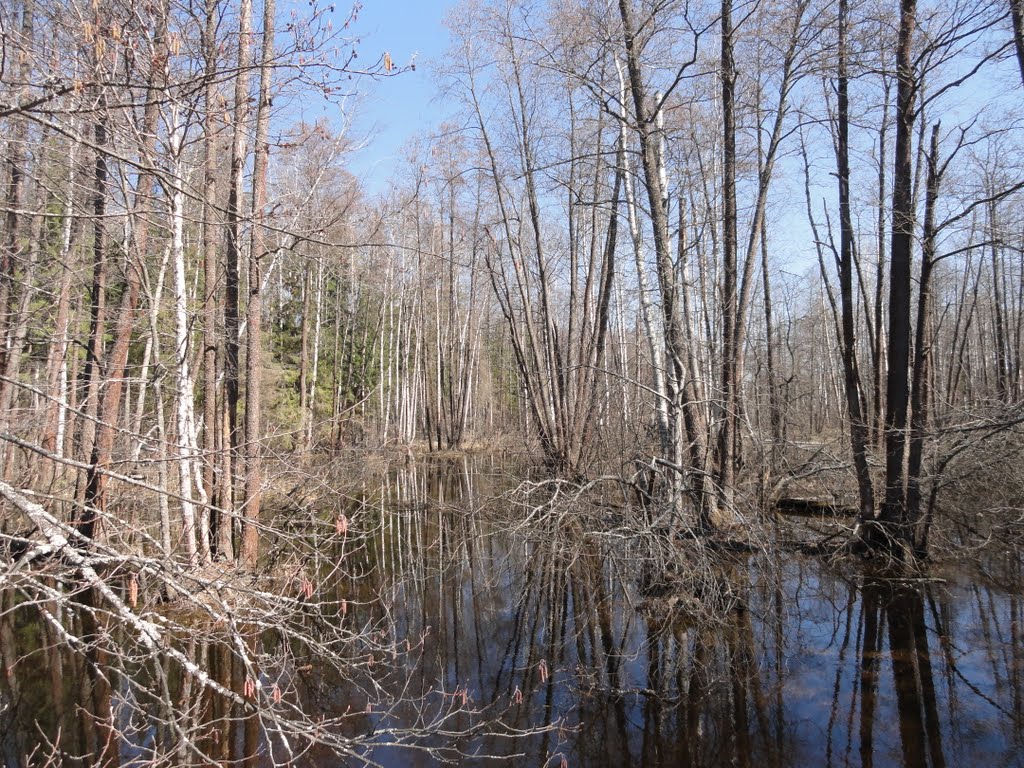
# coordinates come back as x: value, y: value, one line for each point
x: 812, y: 665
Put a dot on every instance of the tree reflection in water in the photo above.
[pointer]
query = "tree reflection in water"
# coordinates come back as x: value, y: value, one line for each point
x: 811, y: 665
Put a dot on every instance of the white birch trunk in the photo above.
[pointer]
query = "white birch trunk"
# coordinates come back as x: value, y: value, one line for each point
x: 150, y: 351
x: 185, y: 422
x: 314, y: 371
x: 65, y: 287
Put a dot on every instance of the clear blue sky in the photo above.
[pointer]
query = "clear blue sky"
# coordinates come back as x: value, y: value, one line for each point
x: 394, y: 109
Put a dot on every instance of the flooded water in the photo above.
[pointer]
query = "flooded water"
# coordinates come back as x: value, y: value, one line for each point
x: 813, y: 666
x: 569, y: 657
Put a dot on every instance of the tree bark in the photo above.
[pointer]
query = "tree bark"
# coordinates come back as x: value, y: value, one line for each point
x: 249, y: 549
x: 185, y: 389
x: 894, y: 513
x: 110, y: 407
x: 232, y: 260
x: 217, y: 523
x: 1017, y: 14
x: 851, y: 372
x: 678, y: 376
x: 86, y: 519
x: 921, y: 385
x: 13, y: 246
x: 730, y: 384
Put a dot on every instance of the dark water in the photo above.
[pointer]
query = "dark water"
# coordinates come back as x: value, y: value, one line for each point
x: 813, y: 666
x: 553, y: 638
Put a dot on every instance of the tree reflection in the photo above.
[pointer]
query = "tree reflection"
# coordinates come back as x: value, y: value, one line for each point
x: 545, y: 633
x: 899, y: 611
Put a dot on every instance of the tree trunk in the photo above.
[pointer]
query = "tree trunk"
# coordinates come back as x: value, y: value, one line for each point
x: 17, y: 147
x: 894, y: 513
x: 114, y: 374
x: 678, y: 376
x: 878, y: 351
x: 730, y: 383
x: 57, y: 364
x: 921, y: 387
x: 998, y: 308
x: 249, y: 549
x: 86, y: 520
x: 661, y: 395
x: 217, y: 524
x: 232, y: 259
x: 314, y: 372
x: 1017, y: 13
x: 185, y: 390
x: 851, y: 372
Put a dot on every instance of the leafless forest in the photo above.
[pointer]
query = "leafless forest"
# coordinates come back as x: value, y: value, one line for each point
x: 693, y: 262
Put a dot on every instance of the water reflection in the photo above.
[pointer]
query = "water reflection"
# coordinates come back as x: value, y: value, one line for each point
x: 815, y: 666
x: 812, y: 666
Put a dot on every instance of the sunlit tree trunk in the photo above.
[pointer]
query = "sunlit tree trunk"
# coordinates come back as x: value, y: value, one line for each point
x: 20, y: 316
x: 730, y: 281
x: 232, y: 261
x: 315, y: 366
x: 188, y: 478
x: 17, y: 159
x: 116, y: 363
x: 678, y: 377
x: 57, y: 365
x: 921, y: 387
x: 216, y: 524
x: 258, y: 249
x: 86, y: 518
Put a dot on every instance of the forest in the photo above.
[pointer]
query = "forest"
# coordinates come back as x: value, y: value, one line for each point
x: 687, y: 306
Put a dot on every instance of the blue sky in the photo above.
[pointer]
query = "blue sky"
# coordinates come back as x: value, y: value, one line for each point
x: 394, y: 109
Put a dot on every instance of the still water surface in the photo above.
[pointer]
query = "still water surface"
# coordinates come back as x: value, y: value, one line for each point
x: 817, y: 665
x: 553, y: 635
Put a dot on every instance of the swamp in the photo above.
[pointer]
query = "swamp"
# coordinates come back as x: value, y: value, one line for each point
x: 468, y: 633
x: 559, y: 383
